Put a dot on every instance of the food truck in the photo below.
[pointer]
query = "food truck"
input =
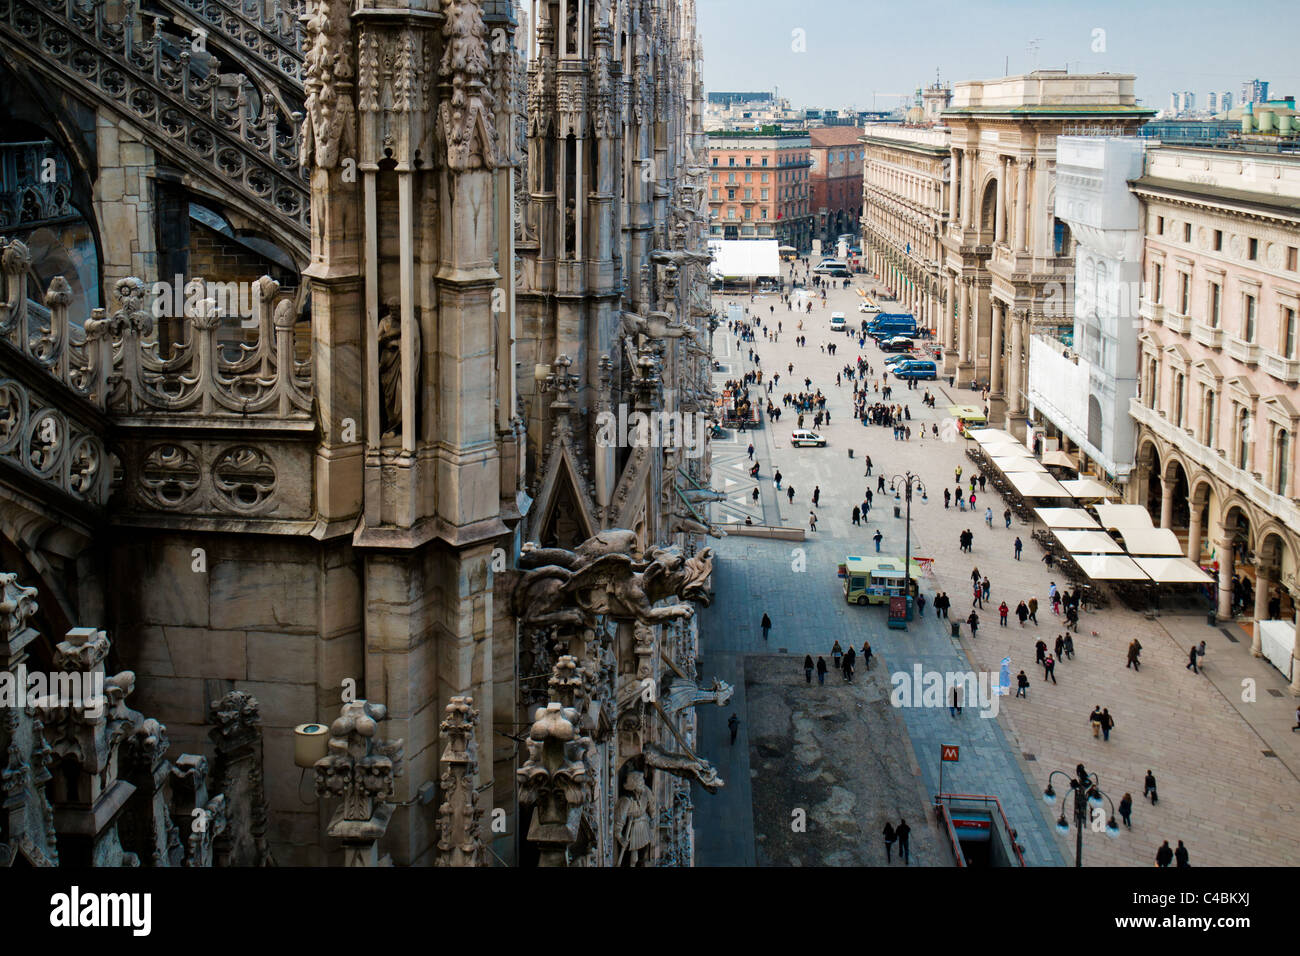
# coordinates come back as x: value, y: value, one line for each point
x: 874, y: 579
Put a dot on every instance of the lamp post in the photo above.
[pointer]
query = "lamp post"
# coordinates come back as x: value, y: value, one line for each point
x: 1086, y: 794
x: 905, y: 483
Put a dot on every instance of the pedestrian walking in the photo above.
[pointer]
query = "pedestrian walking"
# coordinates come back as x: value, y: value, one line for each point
x: 812, y: 521
x: 1020, y: 546
x: 789, y: 493
x: 1022, y: 685
x: 988, y: 517
x: 1022, y: 612
x: 807, y: 668
x: 1107, y: 722
x: 1134, y: 649
x: 1060, y: 646
x: 821, y: 670
x: 947, y: 497
x: 903, y: 832
x: 880, y: 482
x: 777, y: 478
x: 1006, y: 515
x: 1049, y: 668
x: 978, y: 600
x: 942, y: 603
x: 733, y: 722
x: 766, y: 625
x: 837, y: 654
x: 1149, y: 787
x: 755, y: 496
x: 1040, y: 652
x: 866, y: 655
x: 857, y: 515
x: 1033, y: 610
x: 890, y: 837
x: 1003, y: 611
x: 1069, y: 645
x: 877, y: 537
x: 1180, y: 855
x: 1094, y: 719
x: 954, y: 708
x: 1126, y: 810
x: 974, y: 623
x: 817, y: 496
x: 751, y: 451
x: 1164, y: 855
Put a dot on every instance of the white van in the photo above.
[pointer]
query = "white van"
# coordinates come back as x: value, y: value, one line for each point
x: 837, y: 322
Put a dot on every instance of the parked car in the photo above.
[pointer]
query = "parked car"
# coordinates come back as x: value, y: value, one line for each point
x: 867, y: 307
x: 804, y: 437
x: 899, y: 343
x: 916, y: 368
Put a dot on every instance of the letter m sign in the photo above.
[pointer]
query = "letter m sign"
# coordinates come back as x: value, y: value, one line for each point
x: 948, y: 753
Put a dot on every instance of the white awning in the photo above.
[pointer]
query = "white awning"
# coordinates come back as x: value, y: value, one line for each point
x: 1066, y: 518
x: 744, y: 258
x: 1060, y: 459
x: 1109, y: 567
x: 1020, y: 465
x: 1088, y: 542
x: 1033, y: 485
x: 989, y: 435
x: 1124, y: 516
x: 1005, y: 449
x: 1150, y: 541
x: 1173, y: 571
x: 1087, y: 488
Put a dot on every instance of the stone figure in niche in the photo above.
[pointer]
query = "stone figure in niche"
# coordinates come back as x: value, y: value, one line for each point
x: 390, y: 364
x: 632, y: 819
x: 570, y: 227
x: 572, y: 28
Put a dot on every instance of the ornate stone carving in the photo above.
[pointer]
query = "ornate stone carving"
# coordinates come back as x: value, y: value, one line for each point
x: 360, y: 770
x: 390, y: 363
x: 633, y: 820
x: 554, y: 780
x: 328, y: 129
x: 465, y: 116
x: 460, y: 841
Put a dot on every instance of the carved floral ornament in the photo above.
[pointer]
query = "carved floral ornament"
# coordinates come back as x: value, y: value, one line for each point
x: 466, y: 122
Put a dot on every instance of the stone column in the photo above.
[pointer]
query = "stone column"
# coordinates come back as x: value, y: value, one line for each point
x: 1000, y: 213
x: 1295, y: 660
x: 996, y: 350
x: 949, y: 330
x: 963, y: 325
x: 1223, y: 549
x: 966, y: 190
x: 1262, y: 585
x: 1022, y: 205
x: 1194, y: 534
x: 1013, y: 363
x: 1167, y: 488
x: 954, y: 174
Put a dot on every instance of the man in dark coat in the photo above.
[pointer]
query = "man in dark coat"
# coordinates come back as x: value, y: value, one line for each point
x: 903, y: 831
x: 1164, y: 855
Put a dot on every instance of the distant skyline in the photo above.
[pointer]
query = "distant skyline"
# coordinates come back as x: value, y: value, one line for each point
x: 856, y: 47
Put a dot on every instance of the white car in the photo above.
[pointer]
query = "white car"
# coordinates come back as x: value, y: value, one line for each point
x: 837, y: 321
x: 868, y: 308
x: 803, y: 437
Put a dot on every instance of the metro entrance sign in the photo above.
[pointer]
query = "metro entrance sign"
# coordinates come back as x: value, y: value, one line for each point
x: 947, y: 754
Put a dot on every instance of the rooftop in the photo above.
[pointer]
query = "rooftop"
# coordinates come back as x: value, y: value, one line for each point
x: 835, y: 135
x: 1054, y: 92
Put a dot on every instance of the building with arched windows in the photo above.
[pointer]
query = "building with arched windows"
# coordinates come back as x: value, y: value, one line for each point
x: 1219, y: 373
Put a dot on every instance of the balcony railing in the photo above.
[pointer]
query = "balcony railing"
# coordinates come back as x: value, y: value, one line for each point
x: 1178, y: 323
x: 1242, y: 351
x: 1152, y: 311
x: 1213, y: 338
x: 1283, y: 369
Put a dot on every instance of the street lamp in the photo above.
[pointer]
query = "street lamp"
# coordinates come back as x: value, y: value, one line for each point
x: 1086, y: 794
x: 905, y: 483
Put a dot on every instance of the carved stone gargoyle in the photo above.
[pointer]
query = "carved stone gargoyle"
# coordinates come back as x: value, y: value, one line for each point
x: 360, y: 769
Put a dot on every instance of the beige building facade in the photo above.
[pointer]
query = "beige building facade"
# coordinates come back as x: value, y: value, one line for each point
x: 1219, y: 368
x: 1008, y: 260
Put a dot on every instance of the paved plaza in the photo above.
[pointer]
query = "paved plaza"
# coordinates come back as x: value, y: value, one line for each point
x: 1219, y: 743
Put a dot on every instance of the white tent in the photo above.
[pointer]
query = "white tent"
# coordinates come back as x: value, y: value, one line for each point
x: 744, y: 259
x: 1087, y: 488
x: 990, y: 435
x: 1123, y: 516
x: 1173, y: 571
x: 1033, y: 485
x: 1017, y: 464
x: 1150, y: 541
x: 1088, y: 542
x: 1109, y: 567
x: 1066, y: 518
x: 1060, y: 459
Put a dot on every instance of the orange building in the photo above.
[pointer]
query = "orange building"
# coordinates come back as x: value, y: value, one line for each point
x: 759, y: 187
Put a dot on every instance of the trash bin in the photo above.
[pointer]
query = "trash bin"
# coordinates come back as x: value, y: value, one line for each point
x: 898, y: 511
x: 1212, y: 619
x: 956, y: 628
x: 850, y: 452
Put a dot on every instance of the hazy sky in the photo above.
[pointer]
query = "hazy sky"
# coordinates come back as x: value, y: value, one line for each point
x: 855, y: 47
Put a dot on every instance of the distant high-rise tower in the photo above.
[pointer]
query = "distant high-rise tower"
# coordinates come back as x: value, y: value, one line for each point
x: 1225, y: 101
x: 1254, y: 91
x: 1189, y: 101
x: 1173, y: 102
x: 1212, y: 101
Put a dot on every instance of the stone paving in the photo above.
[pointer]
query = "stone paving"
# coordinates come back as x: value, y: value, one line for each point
x: 1220, y: 792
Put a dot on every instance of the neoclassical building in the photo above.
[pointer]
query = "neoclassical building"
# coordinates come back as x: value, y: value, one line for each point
x: 905, y: 208
x: 1007, y: 258
x: 1219, y: 376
